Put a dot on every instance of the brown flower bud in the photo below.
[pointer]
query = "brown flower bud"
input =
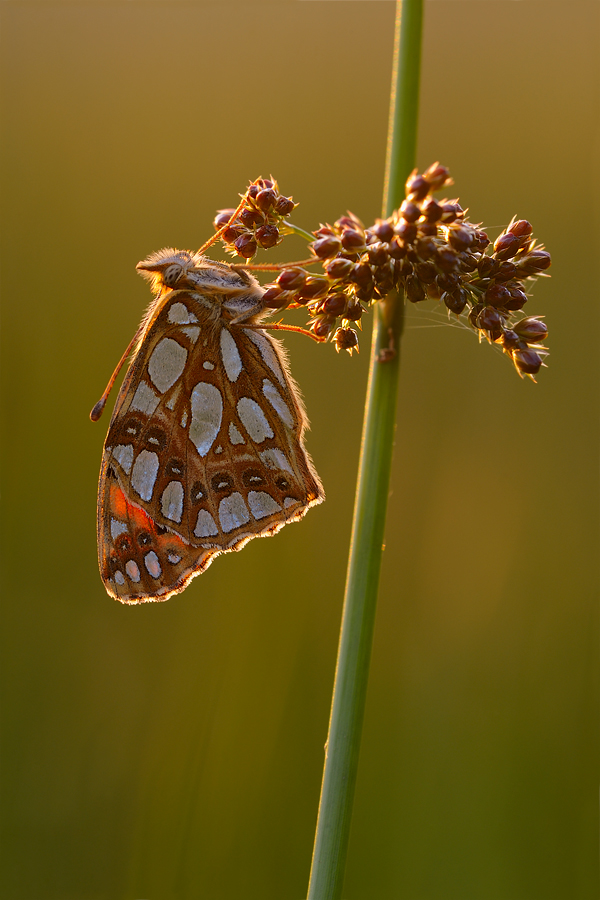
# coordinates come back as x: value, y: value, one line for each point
x: 410, y: 211
x: 480, y: 240
x: 251, y: 217
x: 284, y: 206
x: 378, y: 254
x: 506, y: 271
x: 415, y: 292
x: 273, y: 298
x: 267, y: 236
x: 468, y: 262
x: 417, y: 187
x: 339, y: 268
x: 397, y: 250
x: 222, y: 217
x: 490, y: 320
x: 425, y: 247
x: 474, y: 314
x: 231, y: 234
x: 460, y: 237
x: 506, y: 246
x: 429, y: 229
x: 488, y: 267
x: 437, y: 176
x: 426, y: 272
x: 384, y: 231
x: 531, y: 330
x: 314, y: 288
x: 353, y: 241
x: 265, y: 199
x: 321, y: 326
x: 534, y: 261
x: 362, y: 275
x: 527, y: 361
x: 517, y: 299
x: 452, y: 210
x: 326, y: 247
x: 353, y: 311
x: 246, y: 246
x: 457, y: 300
x: 446, y: 259
x: 334, y: 304
x: 432, y: 210
x: 406, y: 231
x: 512, y: 341
x: 253, y: 191
x: 291, y: 279
x: 497, y: 295
x: 346, y: 339
x: 521, y: 228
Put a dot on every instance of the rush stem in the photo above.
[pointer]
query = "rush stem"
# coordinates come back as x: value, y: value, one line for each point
x: 352, y: 670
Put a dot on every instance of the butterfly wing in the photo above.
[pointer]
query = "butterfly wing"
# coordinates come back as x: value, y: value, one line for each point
x: 204, y: 450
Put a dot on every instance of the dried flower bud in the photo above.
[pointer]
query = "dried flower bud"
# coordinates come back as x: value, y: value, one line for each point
x: 512, y: 341
x: 273, y: 297
x: 284, y: 206
x: 480, y: 240
x: 326, y: 247
x: 432, y: 210
x: 506, y: 246
x: 474, y: 314
x: 353, y: 311
x: 490, y: 320
x: 506, y: 271
x: 291, y: 279
x: 517, y: 299
x: 426, y: 272
x: 246, y: 246
x: 231, y: 234
x: 253, y: 191
x: 531, y: 330
x: 346, y: 339
x: 488, y: 267
x: 353, y: 241
x: 446, y: 259
x: 527, y: 361
x: 378, y: 254
x: 397, y: 250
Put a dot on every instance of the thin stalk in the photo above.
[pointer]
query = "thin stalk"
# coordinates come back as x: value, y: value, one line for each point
x: 352, y: 670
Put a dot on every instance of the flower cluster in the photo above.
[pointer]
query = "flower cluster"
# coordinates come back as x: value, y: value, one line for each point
x: 258, y: 222
x: 425, y: 249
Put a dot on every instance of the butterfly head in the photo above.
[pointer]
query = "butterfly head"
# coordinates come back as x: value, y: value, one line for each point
x: 166, y: 269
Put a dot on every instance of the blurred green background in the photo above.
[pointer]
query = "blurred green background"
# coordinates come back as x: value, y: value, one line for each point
x: 174, y: 751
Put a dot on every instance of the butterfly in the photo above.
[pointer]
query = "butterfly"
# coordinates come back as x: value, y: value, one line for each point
x: 205, y: 447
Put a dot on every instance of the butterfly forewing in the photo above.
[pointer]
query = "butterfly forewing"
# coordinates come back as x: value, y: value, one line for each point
x: 204, y: 450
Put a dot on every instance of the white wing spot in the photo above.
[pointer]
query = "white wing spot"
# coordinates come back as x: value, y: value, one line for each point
x: 117, y: 528
x: 290, y: 501
x: 174, y: 558
x: 205, y: 525
x: 274, y: 459
x: 133, y: 570
x: 119, y: 577
x: 230, y: 355
x: 234, y: 435
x: 179, y: 314
x: 277, y: 402
x: 171, y: 501
x: 152, y: 564
x: 254, y: 420
x: 208, y: 365
x: 193, y: 332
x: 184, y: 419
x: 218, y: 449
x: 268, y: 354
x: 123, y: 454
x: 166, y: 364
x: 207, y: 412
x: 262, y: 504
x: 144, y: 399
x: 143, y: 476
x: 233, y: 512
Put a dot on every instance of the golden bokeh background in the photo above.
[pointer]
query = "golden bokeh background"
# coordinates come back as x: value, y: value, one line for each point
x: 174, y: 751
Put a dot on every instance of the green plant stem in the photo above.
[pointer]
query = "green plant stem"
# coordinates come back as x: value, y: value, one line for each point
x: 352, y: 670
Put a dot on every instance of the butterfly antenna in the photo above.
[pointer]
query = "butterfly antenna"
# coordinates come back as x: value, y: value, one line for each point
x: 99, y: 407
x: 218, y: 233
